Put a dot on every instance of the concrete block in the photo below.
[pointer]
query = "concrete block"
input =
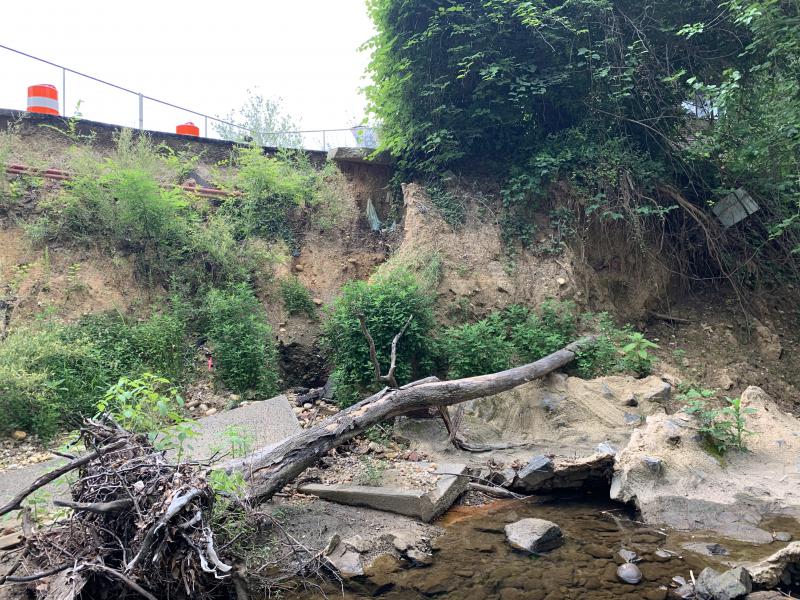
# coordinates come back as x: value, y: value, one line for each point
x: 417, y: 503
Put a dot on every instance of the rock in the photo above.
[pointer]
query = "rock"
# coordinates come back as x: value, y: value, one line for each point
x: 534, y: 535
x: 538, y: 469
x: 684, y: 591
x: 192, y: 404
x: 358, y: 544
x: 607, y: 448
x: 376, y: 448
x: 769, y: 572
x: 706, y: 549
x: 765, y: 595
x: 307, y: 405
x: 561, y: 281
x: 782, y: 536
x: 299, y: 268
x: 597, y: 551
x: 19, y: 435
x: 234, y: 397
x: 210, y: 411
x: 660, y: 392
x: 768, y: 342
x: 729, y: 585
x: 346, y: 562
x: 419, y: 558
x: 413, y: 456
x: 653, y: 464
x: 629, y: 556
x: 12, y: 540
x: 629, y: 573
x: 404, y: 540
x: 317, y: 301
x: 694, y: 491
x: 203, y: 407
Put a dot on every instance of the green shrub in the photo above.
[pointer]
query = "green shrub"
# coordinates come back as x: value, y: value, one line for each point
x: 541, y: 334
x: 272, y: 190
x: 150, y: 405
x: 241, y: 340
x: 477, y: 348
x: 45, y: 383
x: 157, y: 344
x: 297, y: 298
x: 722, y: 428
x: 386, y: 303
x: 635, y: 355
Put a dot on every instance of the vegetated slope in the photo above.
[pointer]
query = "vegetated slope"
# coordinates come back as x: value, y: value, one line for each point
x: 299, y: 260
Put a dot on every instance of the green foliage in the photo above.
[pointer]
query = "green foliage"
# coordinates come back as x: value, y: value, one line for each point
x: 45, y: 382
x: 518, y: 335
x: 157, y: 344
x: 149, y: 405
x: 372, y: 471
x: 53, y: 374
x: 449, y: 205
x: 722, y: 428
x: 386, y: 303
x: 297, y: 298
x: 477, y: 348
x: 273, y: 189
x: 241, y: 340
x: 635, y: 355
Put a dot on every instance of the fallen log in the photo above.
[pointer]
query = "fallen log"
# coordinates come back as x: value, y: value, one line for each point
x: 270, y: 469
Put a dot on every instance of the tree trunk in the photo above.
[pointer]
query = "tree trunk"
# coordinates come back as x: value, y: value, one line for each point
x: 269, y: 469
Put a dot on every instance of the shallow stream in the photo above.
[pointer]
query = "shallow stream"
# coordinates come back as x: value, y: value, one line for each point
x: 472, y: 560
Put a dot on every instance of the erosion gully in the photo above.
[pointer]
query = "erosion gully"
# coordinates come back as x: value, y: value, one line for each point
x: 473, y: 561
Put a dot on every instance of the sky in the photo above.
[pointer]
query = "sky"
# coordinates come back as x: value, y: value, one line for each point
x: 201, y: 55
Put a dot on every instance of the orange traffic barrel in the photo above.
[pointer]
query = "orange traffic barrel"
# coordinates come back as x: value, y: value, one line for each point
x: 43, y: 98
x: 188, y: 128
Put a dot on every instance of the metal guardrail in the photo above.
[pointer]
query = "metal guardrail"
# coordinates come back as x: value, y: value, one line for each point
x: 327, y: 138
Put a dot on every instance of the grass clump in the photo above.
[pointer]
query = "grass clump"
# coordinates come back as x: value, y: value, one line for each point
x: 386, y: 303
x: 296, y: 298
x: 241, y: 339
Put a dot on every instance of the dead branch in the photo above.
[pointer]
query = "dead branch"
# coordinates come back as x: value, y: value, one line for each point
x: 670, y: 318
x: 269, y: 469
x: 97, y: 507
x: 125, y: 580
x: 389, y: 378
x: 16, y: 502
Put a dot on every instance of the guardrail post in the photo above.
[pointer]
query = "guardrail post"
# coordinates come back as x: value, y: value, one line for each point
x: 205, y: 126
x: 63, y: 91
x: 141, y: 112
x: 323, y: 140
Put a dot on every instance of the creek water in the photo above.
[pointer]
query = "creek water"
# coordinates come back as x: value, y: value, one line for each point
x: 472, y: 560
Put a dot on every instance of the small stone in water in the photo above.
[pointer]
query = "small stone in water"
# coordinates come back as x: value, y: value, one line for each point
x: 663, y: 554
x: 629, y: 556
x: 782, y: 536
x: 629, y: 573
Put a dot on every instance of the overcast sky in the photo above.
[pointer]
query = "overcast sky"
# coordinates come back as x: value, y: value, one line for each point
x: 202, y: 55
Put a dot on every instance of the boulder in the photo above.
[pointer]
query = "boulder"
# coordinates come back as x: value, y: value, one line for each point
x: 534, y: 535
x: 729, y: 585
x: 771, y: 571
x: 668, y: 472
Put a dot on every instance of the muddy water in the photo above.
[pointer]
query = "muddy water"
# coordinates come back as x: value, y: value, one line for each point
x: 472, y: 559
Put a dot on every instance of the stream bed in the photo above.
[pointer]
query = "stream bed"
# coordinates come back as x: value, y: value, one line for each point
x: 473, y: 560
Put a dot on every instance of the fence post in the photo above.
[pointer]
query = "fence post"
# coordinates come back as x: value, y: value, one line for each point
x: 63, y: 91
x: 205, y: 126
x: 141, y: 112
x: 323, y: 140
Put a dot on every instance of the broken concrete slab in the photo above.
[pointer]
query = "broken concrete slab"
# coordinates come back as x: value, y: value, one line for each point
x: 359, y: 155
x: 417, y: 503
x: 265, y: 423
x: 534, y: 535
